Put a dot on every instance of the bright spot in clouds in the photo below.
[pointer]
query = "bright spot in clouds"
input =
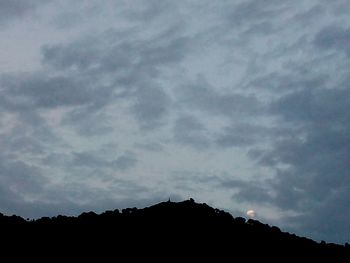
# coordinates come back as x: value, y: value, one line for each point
x: 251, y: 213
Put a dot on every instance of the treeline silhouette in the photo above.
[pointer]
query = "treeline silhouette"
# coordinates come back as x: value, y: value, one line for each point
x: 174, y: 229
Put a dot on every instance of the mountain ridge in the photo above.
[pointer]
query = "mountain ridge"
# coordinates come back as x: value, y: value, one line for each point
x: 166, y: 225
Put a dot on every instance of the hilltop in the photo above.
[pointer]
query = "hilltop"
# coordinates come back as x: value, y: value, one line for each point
x: 179, y: 228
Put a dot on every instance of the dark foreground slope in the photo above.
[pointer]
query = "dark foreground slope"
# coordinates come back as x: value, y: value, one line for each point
x: 170, y: 230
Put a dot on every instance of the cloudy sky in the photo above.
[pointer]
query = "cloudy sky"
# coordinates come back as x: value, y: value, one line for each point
x: 242, y: 104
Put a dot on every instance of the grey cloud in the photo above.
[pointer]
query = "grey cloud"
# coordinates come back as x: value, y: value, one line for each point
x: 56, y: 159
x: 150, y: 146
x: 89, y: 120
x: 15, y: 6
x: 310, y: 16
x: 145, y: 12
x: 19, y: 183
x: 74, y: 195
x: 89, y: 160
x: 21, y: 177
x: 277, y: 82
x: 81, y: 55
x: 263, y: 18
x: 31, y: 94
x: 314, y: 105
x: 85, y: 75
x: 242, y: 190
x: 99, y: 163
x: 128, y: 188
x: 314, y: 154
x: 72, y: 15
x: 190, y: 180
x: 67, y: 201
x: 119, y: 51
x: 13, y: 9
x: 338, y: 7
x: 9, y: 200
x: 67, y: 20
x: 202, y: 96
x: 248, y: 190
x: 24, y: 144
x: 150, y: 107
x: 333, y: 37
x: 242, y: 134
x: 41, y: 91
x: 263, y: 28
x: 96, y: 161
x: 252, y: 11
x: 29, y: 135
x: 189, y: 130
x: 165, y: 52
x: 131, y: 72
x: 125, y: 162
x: 319, y: 164
x: 134, y: 64
x: 327, y: 220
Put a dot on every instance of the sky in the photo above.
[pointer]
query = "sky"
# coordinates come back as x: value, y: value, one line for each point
x: 242, y: 104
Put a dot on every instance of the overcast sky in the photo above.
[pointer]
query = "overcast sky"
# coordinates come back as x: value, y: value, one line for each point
x: 242, y: 104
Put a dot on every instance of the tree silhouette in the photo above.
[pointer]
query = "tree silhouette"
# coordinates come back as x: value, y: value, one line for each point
x: 177, y: 228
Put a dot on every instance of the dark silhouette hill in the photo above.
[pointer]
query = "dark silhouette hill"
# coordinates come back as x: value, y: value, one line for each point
x: 168, y: 230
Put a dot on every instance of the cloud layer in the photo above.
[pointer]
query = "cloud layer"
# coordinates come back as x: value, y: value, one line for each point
x: 243, y: 105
